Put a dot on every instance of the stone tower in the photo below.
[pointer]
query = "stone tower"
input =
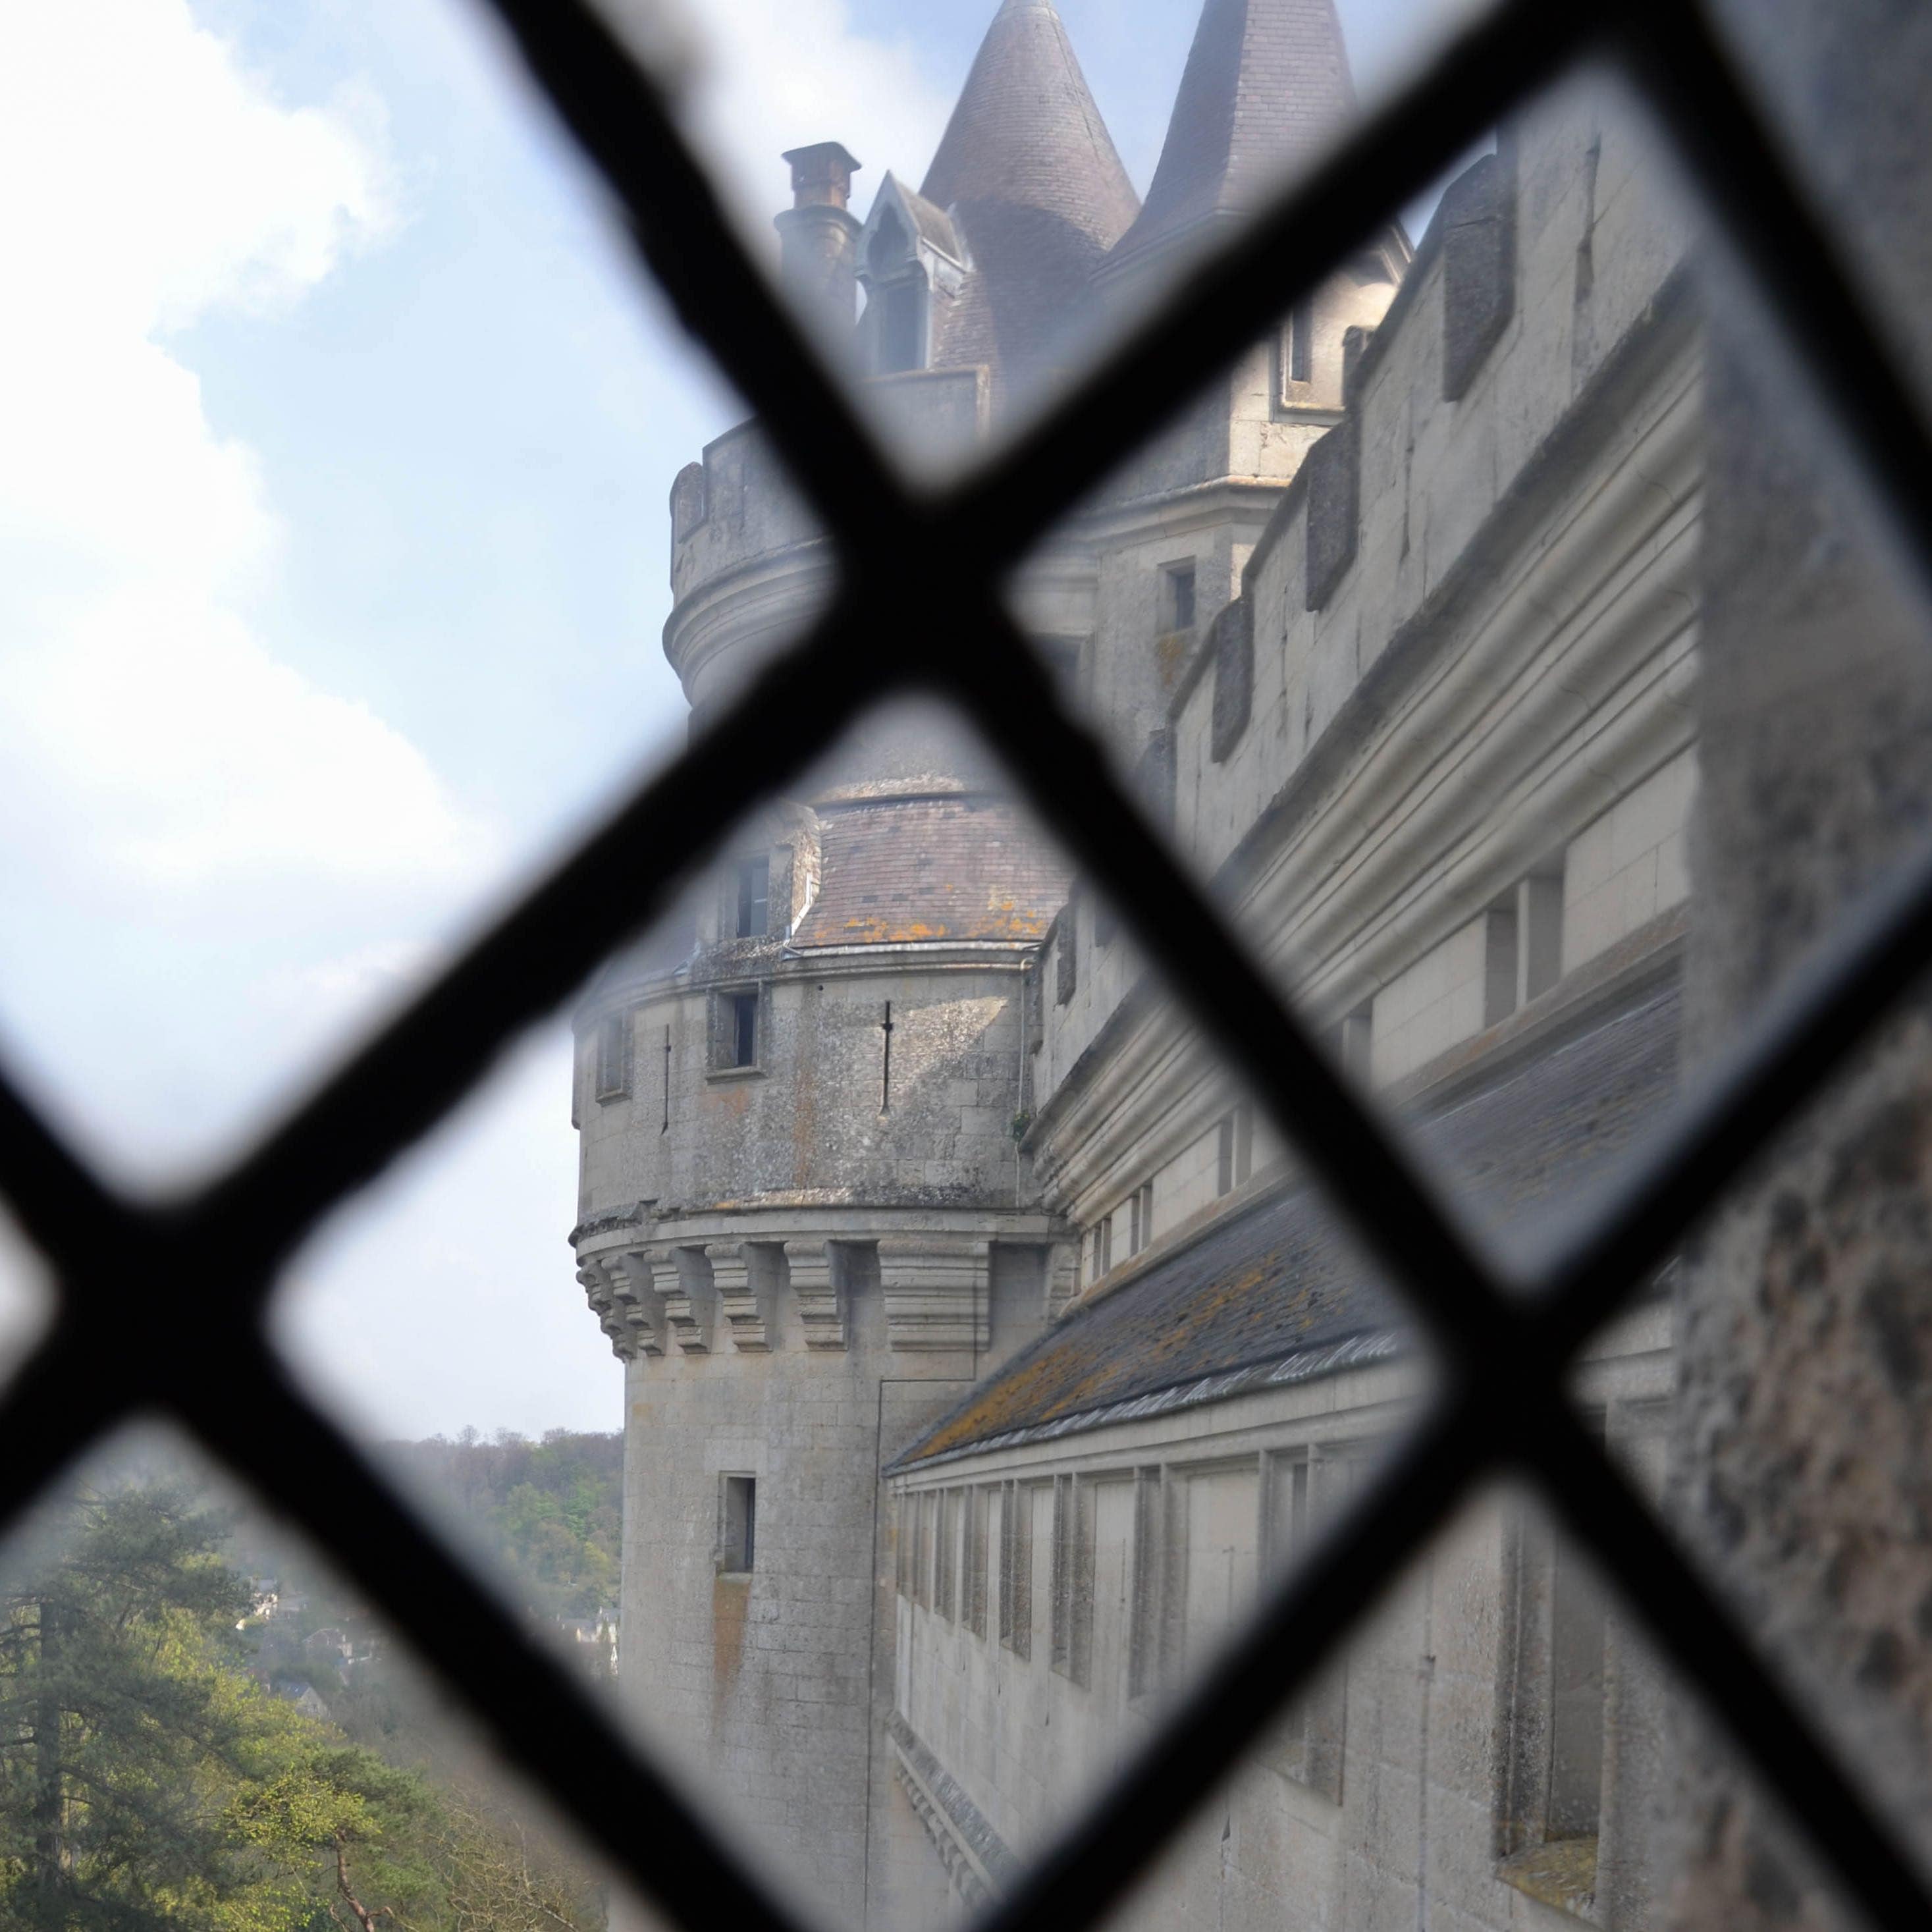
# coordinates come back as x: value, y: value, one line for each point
x: 806, y: 1223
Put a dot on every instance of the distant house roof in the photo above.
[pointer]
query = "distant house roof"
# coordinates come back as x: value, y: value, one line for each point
x: 910, y: 869
x: 1277, y: 1293
x: 1028, y: 169
x: 1266, y: 86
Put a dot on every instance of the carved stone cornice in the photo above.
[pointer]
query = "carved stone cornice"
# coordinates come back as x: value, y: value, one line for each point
x: 690, y: 1301
x: 938, y: 1290
x: 741, y: 1272
x: 634, y: 1283
x: 597, y: 1291
x: 820, y: 1292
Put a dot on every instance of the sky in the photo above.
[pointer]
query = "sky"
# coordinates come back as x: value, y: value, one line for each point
x: 338, y: 434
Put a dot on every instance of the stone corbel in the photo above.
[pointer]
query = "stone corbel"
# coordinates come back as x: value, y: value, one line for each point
x: 597, y: 1291
x: 1062, y: 1278
x: 739, y: 1272
x: 690, y: 1302
x: 937, y: 1291
x: 634, y: 1278
x: 819, y: 1293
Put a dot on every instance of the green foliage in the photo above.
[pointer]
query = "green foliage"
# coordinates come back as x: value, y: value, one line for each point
x: 149, y: 1782
x: 549, y: 1513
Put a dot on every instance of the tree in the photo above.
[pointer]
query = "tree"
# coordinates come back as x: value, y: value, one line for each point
x: 149, y: 1783
x: 115, y: 1719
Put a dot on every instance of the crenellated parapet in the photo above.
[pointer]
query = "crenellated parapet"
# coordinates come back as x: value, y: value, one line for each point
x: 799, y: 1291
x: 749, y: 564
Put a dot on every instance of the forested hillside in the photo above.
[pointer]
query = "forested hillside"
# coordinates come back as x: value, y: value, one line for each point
x: 549, y: 1513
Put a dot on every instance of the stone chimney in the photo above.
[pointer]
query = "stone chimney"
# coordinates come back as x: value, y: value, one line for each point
x: 818, y: 237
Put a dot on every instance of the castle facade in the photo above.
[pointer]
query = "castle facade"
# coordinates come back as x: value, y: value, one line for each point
x: 984, y: 1352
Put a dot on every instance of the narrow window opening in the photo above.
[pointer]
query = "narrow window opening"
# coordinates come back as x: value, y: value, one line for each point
x: 1176, y: 598
x: 901, y: 320
x: 1234, y: 1151
x: 738, y: 1539
x: 744, y: 1029
x: 614, y: 1057
x: 1539, y: 929
x: 755, y: 894
x: 1500, y: 963
x: 1301, y: 344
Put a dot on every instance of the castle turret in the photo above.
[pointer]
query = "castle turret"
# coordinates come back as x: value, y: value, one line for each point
x: 1266, y: 88
x: 1027, y: 194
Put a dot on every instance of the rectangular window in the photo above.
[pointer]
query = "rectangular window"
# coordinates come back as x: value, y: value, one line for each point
x: 1539, y: 933
x: 901, y: 343
x: 744, y: 1022
x: 738, y: 1528
x: 755, y: 893
x: 1140, y: 1217
x: 1299, y: 361
x: 1016, y: 1569
x: 614, y: 1057
x: 1176, y: 598
x: 1500, y: 971
x: 1234, y: 1151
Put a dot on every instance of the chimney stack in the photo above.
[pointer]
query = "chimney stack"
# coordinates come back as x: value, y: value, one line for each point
x: 818, y: 237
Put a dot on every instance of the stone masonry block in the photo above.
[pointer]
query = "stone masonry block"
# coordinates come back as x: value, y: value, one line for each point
x: 1478, y: 218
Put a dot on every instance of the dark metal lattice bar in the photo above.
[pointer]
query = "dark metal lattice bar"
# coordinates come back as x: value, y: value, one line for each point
x: 162, y: 1309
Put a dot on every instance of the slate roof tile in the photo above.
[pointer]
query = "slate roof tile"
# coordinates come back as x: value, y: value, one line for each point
x: 1280, y: 1282
x: 905, y: 870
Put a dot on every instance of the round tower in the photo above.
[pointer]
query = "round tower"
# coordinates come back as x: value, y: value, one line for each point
x: 806, y: 1221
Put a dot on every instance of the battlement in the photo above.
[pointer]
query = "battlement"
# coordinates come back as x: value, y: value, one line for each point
x: 736, y: 506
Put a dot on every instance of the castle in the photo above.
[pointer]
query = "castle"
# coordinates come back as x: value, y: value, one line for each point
x: 983, y: 1349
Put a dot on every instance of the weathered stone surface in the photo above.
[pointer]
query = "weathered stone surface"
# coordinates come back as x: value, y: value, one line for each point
x: 1805, y: 1435
x: 1478, y: 218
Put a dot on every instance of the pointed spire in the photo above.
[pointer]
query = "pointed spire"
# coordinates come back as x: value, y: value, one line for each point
x: 1027, y: 132
x: 1266, y: 87
x: 1029, y: 169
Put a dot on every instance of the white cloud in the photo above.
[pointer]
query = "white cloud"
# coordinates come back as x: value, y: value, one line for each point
x: 155, y: 182
x: 775, y: 74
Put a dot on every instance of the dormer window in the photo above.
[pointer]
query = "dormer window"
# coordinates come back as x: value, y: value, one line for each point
x: 911, y: 258
x: 755, y: 894
x: 902, y: 327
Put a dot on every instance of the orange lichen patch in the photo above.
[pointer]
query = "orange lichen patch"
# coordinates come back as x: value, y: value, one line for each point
x: 1277, y: 1283
x: 1562, y: 1873
x: 1263, y: 1285
x: 730, y: 1608
x: 1171, y: 651
x: 915, y: 870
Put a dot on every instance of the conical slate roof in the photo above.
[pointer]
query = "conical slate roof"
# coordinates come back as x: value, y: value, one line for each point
x: 1029, y: 171
x: 1266, y: 86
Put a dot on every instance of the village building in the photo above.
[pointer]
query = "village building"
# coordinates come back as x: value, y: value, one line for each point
x: 985, y: 1351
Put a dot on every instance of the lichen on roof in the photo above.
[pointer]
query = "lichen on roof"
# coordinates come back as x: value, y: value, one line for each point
x: 1281, y: 1279
x: 910, y: 871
